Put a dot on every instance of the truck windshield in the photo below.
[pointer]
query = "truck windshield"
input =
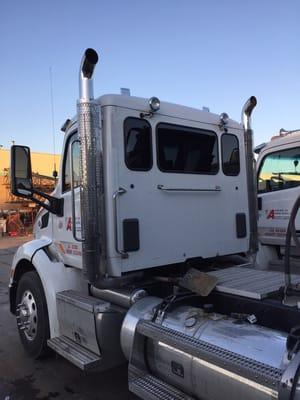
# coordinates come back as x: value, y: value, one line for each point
x: 279, y: 170
x: 186, y: 150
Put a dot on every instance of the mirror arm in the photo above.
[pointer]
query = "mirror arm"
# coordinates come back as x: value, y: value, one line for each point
x: 55, y: 206
x: 44, y: 205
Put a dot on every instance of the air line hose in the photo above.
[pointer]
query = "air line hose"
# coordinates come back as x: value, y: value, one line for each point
x: 291, y: 233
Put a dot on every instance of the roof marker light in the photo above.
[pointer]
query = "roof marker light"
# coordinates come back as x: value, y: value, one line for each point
x: 125, y: 91
x: 65, y: 125
x: 154, y: 104
x: 224, y: 118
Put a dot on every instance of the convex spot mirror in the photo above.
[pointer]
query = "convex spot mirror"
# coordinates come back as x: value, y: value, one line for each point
x: 21, y: 175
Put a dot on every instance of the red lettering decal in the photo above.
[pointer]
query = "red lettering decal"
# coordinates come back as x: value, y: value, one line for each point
x: 271, y: 215
x: 69, y: 224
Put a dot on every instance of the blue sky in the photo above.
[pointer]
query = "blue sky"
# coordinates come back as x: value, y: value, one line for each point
x: 197, y: 53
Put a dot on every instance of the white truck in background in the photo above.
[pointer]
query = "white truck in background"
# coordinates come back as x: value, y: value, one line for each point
x: 278, y: 174
x: 137, y: 254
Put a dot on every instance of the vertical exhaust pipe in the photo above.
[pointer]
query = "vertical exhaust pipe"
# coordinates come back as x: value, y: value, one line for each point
x: 91, y: 173
x: 88, y: 63
x: 251, y: 172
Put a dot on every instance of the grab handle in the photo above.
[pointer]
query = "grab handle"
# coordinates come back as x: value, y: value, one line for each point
x: 168, y: 189
x: 115, y: 196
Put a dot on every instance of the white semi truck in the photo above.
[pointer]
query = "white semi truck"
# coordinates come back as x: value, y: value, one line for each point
x: 278, y: 173
x: 139, y: 252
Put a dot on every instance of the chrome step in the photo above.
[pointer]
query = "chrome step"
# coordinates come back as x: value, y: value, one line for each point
x: 74, y: 352
x: 148, y: 387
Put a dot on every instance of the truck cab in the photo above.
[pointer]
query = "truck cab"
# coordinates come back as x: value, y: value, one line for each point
x: 137, y: 253
x: 278, y: 180
x: 167, y: 182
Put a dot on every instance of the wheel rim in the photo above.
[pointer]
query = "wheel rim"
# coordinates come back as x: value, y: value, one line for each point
x: 27, y: 315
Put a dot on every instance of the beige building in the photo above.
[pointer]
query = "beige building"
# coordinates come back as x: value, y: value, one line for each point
x: 42, y: 168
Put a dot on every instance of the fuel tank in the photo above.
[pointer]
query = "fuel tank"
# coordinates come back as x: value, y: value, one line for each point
x: 206, y: 355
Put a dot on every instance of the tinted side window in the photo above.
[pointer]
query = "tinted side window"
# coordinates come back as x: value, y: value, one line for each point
x: 187, y: 150
x: 230, y: 155
x: 279, y: 170
x: 66, y: 184
x: 138, y: 144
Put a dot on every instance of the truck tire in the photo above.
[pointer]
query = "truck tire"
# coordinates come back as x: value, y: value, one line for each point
x: 32, y: 315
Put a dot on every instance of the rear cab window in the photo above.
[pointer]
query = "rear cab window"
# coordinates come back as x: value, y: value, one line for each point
x: 186, y: 150
x: 138, y: 144
x: 230, y: 154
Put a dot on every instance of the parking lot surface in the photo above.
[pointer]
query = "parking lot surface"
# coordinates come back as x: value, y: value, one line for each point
x: 22, y: 378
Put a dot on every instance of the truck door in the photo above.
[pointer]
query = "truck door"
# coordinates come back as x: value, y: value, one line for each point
x: 176, y: 201
x: 278, y: 189
x: 68, y: 247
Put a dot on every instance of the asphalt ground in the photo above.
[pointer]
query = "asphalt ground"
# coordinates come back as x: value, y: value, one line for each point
x: 22, y: 378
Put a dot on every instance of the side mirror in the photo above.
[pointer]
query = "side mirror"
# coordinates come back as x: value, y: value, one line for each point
x: 21, y: 175
x: 21, y: 181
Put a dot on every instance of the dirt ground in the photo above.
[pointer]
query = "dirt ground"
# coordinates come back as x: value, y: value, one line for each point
x: 22, y: 378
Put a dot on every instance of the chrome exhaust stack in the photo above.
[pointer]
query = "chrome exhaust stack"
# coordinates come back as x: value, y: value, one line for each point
x: 88, y: 63
x: 91, y: 172
x: 251, y: 172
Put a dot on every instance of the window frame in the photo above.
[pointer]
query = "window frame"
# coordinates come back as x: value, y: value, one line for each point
x: 185, y: 172
x: 262, y: 164
x: 151, y: 145
x: 67, y: 147
x: 230, y: 134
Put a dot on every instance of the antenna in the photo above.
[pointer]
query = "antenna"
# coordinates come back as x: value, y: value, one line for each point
x: 52, y: 118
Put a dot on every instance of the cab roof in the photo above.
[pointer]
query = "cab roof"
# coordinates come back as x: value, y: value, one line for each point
x: 281, y: 140
x: 170, y: 109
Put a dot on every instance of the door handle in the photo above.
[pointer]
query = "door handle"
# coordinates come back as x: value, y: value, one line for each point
x: 115, y: 196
